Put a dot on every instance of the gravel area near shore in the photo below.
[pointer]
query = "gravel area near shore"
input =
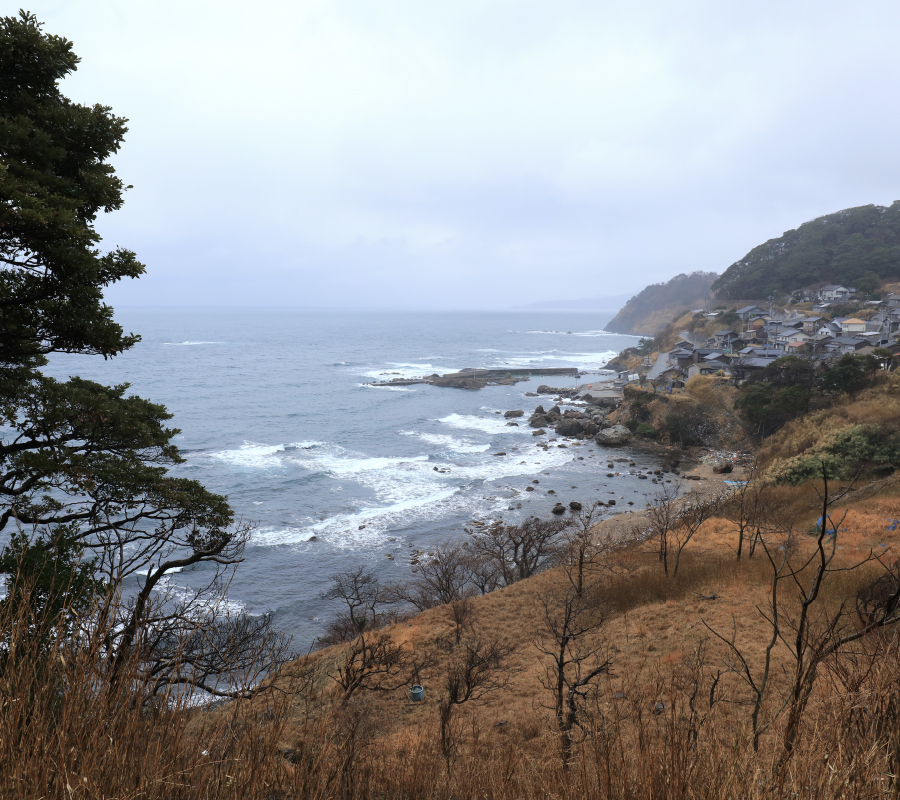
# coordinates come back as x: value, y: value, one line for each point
x: 709, y: 487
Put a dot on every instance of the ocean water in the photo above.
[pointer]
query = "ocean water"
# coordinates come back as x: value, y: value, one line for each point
x: 276, y: 414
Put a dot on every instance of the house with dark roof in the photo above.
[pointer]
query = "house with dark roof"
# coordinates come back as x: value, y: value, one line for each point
x: 746, y: 365
x: 748, y: 312
x: 810, y: 324
x: 834, y: 293
x: 830, y: 328
x: 727, y: 340
x: 715, y: 368
x: 848, y: 344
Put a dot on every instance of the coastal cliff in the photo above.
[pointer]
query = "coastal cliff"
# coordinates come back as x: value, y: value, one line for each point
x: 651, y: 309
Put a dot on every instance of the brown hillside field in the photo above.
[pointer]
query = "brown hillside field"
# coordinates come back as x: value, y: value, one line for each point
x: 658, y: 631
x: 671, y: 717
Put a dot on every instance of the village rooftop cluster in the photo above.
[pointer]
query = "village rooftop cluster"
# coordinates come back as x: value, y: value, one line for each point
x: 762, y: 336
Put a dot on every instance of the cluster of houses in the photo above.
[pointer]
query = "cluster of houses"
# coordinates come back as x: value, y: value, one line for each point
x: 764, y: 337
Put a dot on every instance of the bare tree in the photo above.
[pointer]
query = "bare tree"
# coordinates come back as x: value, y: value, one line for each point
x: 520, y: 551
x: 371, y: 661
x: 747, y: 508
x: 477, y: 669
x: 483, y: 573
x: 462, y: 614
x: 444, y: 577
x: 363, y: 596
x: 576, y: 657
x: 587, y: 549
x: 673, y: 522
x: 226, y: 654
x: 813, y: 633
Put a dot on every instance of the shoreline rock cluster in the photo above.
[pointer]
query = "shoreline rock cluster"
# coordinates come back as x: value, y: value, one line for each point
x: 591, y: 423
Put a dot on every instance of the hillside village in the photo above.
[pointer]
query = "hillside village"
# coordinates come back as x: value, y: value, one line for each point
x: 820, y: 326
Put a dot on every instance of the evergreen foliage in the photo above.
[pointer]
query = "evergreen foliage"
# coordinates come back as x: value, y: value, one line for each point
x: 85, y: 493
x: 843, y: 454
x: 857, y: 247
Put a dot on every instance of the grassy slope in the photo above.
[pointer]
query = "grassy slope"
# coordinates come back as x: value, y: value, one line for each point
x: 654, y: 627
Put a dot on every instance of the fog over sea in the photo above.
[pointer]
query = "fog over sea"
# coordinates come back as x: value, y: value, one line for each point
x: 275, y: 413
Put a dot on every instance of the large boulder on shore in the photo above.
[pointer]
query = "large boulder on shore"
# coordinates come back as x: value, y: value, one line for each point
x: 539, y: 421
x: 568, y: 427
x: 614, y: 436
x: 512, y: 414
x: 554, y: 413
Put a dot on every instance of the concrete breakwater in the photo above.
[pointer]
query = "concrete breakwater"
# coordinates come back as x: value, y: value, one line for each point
x: 479, y: 378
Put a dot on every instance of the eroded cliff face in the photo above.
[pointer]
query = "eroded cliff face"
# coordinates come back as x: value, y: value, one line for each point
x: 649, y: 311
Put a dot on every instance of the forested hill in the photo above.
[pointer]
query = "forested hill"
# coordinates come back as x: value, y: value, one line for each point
x: 655, y: 306
x: 856, y: 245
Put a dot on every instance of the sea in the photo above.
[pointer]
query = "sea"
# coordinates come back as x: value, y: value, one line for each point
x: 277, y: 411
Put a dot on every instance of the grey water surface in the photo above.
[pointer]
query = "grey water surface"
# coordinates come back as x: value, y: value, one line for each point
x: 275, y: 413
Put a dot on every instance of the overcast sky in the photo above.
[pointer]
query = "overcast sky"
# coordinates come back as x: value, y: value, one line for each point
x: 476, y: 153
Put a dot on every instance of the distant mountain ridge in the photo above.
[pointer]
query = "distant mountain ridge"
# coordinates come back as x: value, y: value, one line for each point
x: 654, y: 307
x: 845, y: 247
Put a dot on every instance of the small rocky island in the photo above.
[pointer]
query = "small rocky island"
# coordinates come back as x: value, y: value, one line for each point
x: 470, y: 378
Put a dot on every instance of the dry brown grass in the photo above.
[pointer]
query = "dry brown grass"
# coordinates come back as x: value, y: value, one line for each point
x: 65, y: 735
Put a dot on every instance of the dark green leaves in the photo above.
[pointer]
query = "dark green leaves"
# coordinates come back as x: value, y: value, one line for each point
x: 849, y: 247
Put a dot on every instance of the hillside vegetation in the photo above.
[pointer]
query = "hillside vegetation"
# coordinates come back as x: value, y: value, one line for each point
x: 844, y: 247
x: 652, y: 308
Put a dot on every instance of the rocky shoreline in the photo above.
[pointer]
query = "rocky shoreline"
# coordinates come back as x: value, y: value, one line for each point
x: 591, y: 423
x: 702, y: 472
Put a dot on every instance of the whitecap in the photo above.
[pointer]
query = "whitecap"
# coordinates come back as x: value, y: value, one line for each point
x: 495, y: 424
x: 448, y: 443
x: 147, y: 571
x: 253, y: 455
x: 396, y: 369
x: 267, y: 537
x: 181, y: 344
x: 582, y: 333
x: 385, y: 388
